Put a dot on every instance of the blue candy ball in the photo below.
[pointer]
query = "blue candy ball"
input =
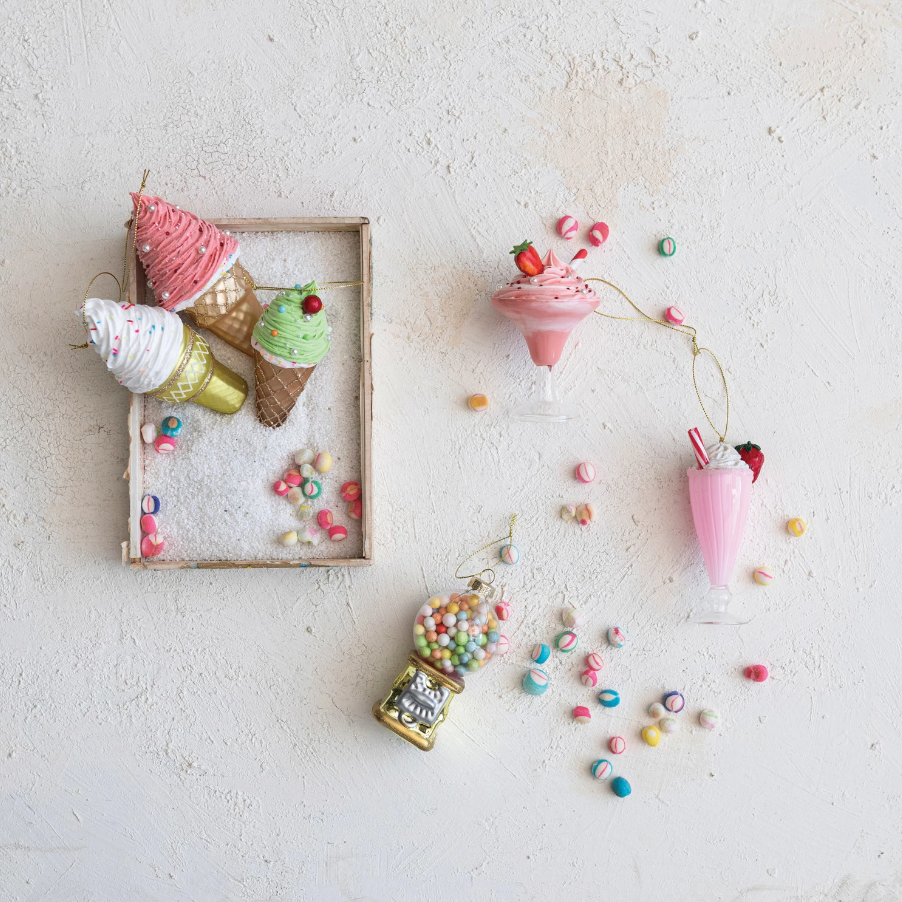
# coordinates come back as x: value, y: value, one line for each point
x: 535, y: 682
x: 281, y: 308
x: 464, y: 658
x: 493, y: 636
x: 621, y: 787
x: 171, y: 426
x: 609, y: 698
x: 541, y: 653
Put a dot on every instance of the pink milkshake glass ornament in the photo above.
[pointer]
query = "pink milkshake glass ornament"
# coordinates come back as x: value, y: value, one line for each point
x: 546, y: 303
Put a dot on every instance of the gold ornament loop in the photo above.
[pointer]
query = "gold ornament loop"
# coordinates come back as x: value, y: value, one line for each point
x: 321, y: 286
x: 689, y: 331
x: 508, y: 537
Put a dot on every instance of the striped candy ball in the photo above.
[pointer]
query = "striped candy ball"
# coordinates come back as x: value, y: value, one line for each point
x: 566, y: 227
x: 566, y: 641
x: 585, y: 473
x: 164, y: 444
x: 478, y: 403
x: 571, y: 617
x: 709, y: 718
x: 581, y: 714
x: 598, y: 234
x: 616, y: 637
x: 541, y: 653
x: 656, y: 710
x: 535, y: 682
x: 503, y: 610
x: 674, y: 315
x: 669, y: 725
x: 674, y: 702
x: 594, y: 661
x: 509, y: 554
x: 589, y: 678
x: 797, y: 527
x: 151, y: 545
x: 503, y: 645
x: 150, y: 504
x: 609, y: 698
x: 617, y: 745
x: 763, y: 576
x: 602, y: 769
x: 148, y: 523
x: 667, y: 247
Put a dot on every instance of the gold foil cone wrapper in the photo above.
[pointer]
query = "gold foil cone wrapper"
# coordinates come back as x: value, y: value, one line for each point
x: 278, y: 389
x: 200, y: 377
x: 229, y: 309
x: 418, y: 702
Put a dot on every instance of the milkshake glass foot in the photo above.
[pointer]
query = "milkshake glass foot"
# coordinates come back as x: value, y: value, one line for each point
x: 714, y: 609
x: 547, y: 407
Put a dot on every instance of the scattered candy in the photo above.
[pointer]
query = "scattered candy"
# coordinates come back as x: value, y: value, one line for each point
x: 288, y: 538
x: 171, y: 426
x: 293, y: 477
x: 503, y: 610
x: 656, y: 710
x: 311, y: 488
x: 616, y: 637
x: 589, y: 678
x: 567, y: 227
x: 151, y: 545
x: 566, y: 641
x: 568, y: 512
x: 621, y: 787
x: 585, y: 472
x: 148, y: 433
x: 280, y: 487
x: 669, y: 725
x: 295, y: 495
x: 164, y: 444
x: 310, y: 535
x: 651, y: 735
x: 541, y: 653
x: 674, y: 315
x: 598, y: 234
x: 304, y: 512
x: 350, y: 491
x: 763, y: 576
x: 325, y: 519
x: 535, y: 682
x: 323, y: 462
x: 609, y: 698
x: 601, y: 769
x: 502, y: 646
x: 307, y: 471
x: 796, y: 526
x: 585, y: 514
x: 303, y: 457
x: 667, y: 247
x: 338, y: 533
x: 150, y: 504
x: 757, y: 673
x: 674, y: 702
x: 708, y: 718
x: 753, y: 457
x: 509, y: 554
x: 478, y: 403
x: 617, y: 745
x: 571, y: 617
x: 594, y: 661
x: 148, y: 523
x: 581, y: 714
x: 355, y: 509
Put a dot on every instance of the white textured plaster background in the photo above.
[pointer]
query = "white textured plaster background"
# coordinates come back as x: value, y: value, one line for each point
x: 207, y: 735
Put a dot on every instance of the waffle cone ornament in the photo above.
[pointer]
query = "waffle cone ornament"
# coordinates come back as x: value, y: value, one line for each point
x: 289, y: 340
x: 193, y: 266
x: 151, y: 351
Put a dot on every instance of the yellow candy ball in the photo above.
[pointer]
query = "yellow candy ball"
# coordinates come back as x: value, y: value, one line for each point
x: 797, y: 527
x: 453, y: 608
x: 478, y: 403
x: 435, y: 603
x: 652, y: 735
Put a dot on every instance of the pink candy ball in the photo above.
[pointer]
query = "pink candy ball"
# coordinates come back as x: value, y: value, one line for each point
x: 585, y: 473
x: 581, y: 714
x: 355, y: 509
x: 338, y: 533
x: 617, y: 745
x: 325, y: 519
x: 674, y: 315
x: 151, y: 545
x: 164, y: 444
x: 598, y: 234
x: 567, y: 227
x: 148, y: 523
x: 757, y: 673
x: 594, y: 661
x: 281, y: 488
x: 293, y: 477
x: 503, y: 610
x: 589, y: 678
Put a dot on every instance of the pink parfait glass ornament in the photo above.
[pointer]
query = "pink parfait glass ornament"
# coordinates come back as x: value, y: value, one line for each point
x: 546, y: 303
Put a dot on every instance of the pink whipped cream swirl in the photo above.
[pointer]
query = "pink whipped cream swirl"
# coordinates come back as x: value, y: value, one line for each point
x: 546, y: 308
x: 182, y: 254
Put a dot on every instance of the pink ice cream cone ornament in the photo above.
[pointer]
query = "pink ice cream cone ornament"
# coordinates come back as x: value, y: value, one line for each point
x: 192, y: 265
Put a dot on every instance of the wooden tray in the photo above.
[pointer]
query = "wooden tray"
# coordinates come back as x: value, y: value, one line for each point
x: 131, y: 549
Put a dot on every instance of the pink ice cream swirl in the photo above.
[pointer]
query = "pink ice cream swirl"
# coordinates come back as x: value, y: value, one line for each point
x: 182, y: 254
x: 546, y: 308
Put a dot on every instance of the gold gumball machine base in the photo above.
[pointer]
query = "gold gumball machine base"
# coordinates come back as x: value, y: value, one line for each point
x: 418, y: 702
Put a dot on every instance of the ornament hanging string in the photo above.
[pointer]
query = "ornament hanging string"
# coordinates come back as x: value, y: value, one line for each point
x: 697, y: 350
x: 480, y: 574
x: 320, y: 286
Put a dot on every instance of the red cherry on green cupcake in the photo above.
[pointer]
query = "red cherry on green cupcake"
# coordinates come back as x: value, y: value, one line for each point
x: 312, y: 304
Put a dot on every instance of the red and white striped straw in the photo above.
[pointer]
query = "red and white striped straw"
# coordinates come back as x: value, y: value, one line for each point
x: 698, y: 446
x: 578, y: 258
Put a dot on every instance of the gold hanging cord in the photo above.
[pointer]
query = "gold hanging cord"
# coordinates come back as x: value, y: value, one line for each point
x: 481, y: 573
